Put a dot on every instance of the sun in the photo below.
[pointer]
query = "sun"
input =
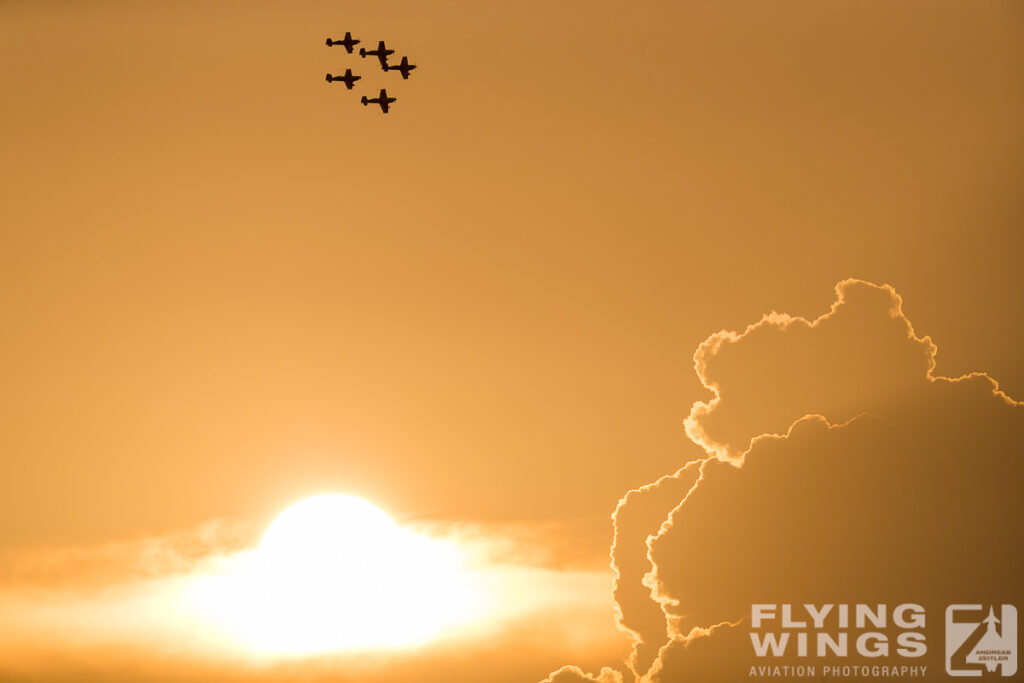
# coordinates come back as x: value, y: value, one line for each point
x: 334, y: 573
x: 331, y: 537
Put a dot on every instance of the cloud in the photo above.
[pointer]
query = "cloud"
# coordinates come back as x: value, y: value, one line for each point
x: 861, y: 356
x: 637, y: 518
x: 570, y: 674
x: 123, y: 560
x: 137, y: 610
x: 838, y: 467
x: 702, y: 656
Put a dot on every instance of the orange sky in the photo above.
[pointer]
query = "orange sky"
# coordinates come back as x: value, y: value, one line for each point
x: 225, y: 285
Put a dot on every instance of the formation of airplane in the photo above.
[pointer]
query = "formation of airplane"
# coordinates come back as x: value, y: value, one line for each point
x: 383, y: 100
x: 381, y: 53
x: 348, y: 79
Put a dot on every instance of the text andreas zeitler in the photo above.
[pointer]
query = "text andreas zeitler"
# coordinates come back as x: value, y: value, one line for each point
x: 823, y: 631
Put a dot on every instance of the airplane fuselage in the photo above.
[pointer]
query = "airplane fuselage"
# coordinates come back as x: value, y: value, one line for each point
x: 382, y: 100
x: 381, y: 53
x: 404, y: 68
x: 348, y: 42
x: 349, y: 79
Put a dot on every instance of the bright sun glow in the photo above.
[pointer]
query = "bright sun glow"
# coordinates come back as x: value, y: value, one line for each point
x: 334, y: 573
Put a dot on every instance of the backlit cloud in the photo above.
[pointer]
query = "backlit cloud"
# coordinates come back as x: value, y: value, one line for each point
x: 837, y: 467
x: 574, y: 674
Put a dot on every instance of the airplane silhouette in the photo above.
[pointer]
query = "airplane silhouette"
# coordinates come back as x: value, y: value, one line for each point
x: 383, y: 100
x: 348, y: 79
x: 381, y: 53
x: 349, y: 42
x: 404, y: 68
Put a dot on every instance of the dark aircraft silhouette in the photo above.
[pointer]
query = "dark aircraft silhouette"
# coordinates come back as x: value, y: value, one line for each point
x: 348, y: 79
x: 383, y: 100
x: 404, y: 68
x: 381, y: 53
x: 349, y: 42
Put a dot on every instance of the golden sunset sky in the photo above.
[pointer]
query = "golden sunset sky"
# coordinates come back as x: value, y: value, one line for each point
x: 226, y: 287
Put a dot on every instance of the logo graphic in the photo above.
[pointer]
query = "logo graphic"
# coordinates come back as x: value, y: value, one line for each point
x: 981, y: 640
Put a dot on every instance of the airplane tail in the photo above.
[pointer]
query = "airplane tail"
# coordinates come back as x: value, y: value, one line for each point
x: 330, y: 78
x: 362, y: 52
x: 330, y: 42
x: 363, y: 100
